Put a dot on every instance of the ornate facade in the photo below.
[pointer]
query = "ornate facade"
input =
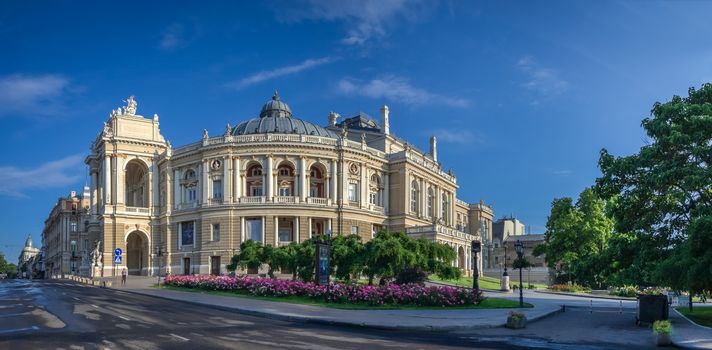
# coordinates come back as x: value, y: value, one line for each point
x: 65, y: 239
x: 275, y: 179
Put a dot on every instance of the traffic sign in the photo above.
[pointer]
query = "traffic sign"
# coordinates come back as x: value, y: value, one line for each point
x: 118, y: 251
x: 117, y: 259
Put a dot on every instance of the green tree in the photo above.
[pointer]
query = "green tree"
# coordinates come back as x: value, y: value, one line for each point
x: 347, y: 257
x: 306, y: 254
x: 250, y: 256
x: 285, y: 258
x: 665, y: 191
x: 7, y: 268
x: 576, y: 238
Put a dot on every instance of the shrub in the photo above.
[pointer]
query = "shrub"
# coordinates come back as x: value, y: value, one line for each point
x: 571, y: 288
x: 662, y: 327
x: 652, y: 291
x: 411, y: 275
x: 625, y: 291
x: 392, y: 294
x: 516, y: 315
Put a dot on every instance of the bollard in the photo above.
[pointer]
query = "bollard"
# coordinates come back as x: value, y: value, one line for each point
x: 563, y: 308
x: 620, y: 309
x: 591, y: 310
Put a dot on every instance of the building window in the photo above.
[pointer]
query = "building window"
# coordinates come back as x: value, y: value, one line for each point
x: 73, y: 226
x: 354, y: 230
x: 431, y: 198
x: 284, y: 171
x: 215, y: 233
x: 217, y: 189
x: 256, y: 171
x: 414, y: 196
x: 192, y: 195
x: 444, y: 212
x: 253, y: 229
x: 86, y: 245
x: 353, y: 192
x: 187, y: 233
x: 256, y: 191
x: 285, y: 191
x: 375, y: 194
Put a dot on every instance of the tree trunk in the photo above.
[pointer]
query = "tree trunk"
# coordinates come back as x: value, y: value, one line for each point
x: 690, y: 304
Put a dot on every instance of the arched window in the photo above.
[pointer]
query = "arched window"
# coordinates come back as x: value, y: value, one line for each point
x: 285, y: 180
x: 376, y: 191
x: 431, y: 199
x: 414, y: 195
x: 136, y: 185
x: 190, y: 185
x: 254, y: 181
x: 316, y: 182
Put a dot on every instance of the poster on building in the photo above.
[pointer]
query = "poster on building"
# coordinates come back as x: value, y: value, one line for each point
x: 187, y: 232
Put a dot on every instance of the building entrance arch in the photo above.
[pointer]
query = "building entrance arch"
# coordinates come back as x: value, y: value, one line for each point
x: 137, y: 253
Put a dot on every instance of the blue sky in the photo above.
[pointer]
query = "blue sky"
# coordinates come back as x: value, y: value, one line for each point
x: 522, y: 94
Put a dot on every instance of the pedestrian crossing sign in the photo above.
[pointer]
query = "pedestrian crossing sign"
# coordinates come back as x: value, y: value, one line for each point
x: 117, y: 259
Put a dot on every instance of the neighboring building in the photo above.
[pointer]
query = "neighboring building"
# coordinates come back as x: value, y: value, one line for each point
x: 25, y: 262
x: 537, y: 273
x: 275, y: 179
x: 65, y: 239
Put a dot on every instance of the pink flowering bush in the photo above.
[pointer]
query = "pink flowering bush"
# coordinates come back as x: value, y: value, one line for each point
x: 393, y: 294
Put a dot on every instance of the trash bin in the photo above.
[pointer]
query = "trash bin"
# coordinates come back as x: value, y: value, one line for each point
x: 652, y: 308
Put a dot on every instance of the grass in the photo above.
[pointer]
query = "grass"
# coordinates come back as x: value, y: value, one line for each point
x: 485, y: 282
x: 488, y: 303
x: 699, y: 315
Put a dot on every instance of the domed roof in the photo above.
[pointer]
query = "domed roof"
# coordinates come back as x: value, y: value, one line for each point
x: 276, y: 117
x: 275, y: 108
x: 28, y: 241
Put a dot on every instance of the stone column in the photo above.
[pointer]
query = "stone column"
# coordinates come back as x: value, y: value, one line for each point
x: 386, y: 190
x: 423, y: 198
x: 276, y: 231
x: 107, y: 180
x: 204, y: 182
x: 296, y: 229
x: 363, y: 196
x: 303, y: 185
x: 242, y: 229
x: 328, y: 226
x: 154, y: 189
x: 177, y: 197
x: 333, y: 187
x: 267, y: 188
x: 227, y: 195
x: 264, y: 232
x: 92, y: 193
x: 237, y: 190
x: 121, y: 182
x: 309, y: 227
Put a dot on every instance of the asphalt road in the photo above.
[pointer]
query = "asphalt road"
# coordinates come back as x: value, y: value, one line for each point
x: 60, y: 314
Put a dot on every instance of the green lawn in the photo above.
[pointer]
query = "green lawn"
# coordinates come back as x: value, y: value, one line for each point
x: 700, y: 315
x: 485, y: 282
x: 489, y: 303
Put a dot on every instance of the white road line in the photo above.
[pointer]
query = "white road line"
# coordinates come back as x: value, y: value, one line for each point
x: 94, y: 306
x: 124, y: 318
x: 179, y: 337
x: 5, y: 331
x: 75, y: 298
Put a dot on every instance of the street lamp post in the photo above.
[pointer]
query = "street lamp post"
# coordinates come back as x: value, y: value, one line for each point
x: 159, y: 254
x: 519, y: 247
x: 475, y: 248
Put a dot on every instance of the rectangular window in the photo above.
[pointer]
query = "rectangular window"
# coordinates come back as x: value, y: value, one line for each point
x: 192, y: 195
x: 253, y: 229
x: 73, y: 226
x: 354, y: 230
x: 217, y: 189
x: 187, y: 233
x: 215, y: 233
x: 353, y: 192
x: 285, y: 234
x: 285, y: 191
x: 256, y: 191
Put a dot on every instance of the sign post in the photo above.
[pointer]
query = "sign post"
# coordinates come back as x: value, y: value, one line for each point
x: 322, y: 263
x: 118, y: 258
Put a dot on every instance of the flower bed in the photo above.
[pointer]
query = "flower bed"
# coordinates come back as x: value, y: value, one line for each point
x: 393, y: 294
x: 571, y: 288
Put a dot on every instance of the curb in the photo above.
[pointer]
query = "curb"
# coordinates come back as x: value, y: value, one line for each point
x: 687, y: 346
x: 307, y: 319
x: 587, y: 296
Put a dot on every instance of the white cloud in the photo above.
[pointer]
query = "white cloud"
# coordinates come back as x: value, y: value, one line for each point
x: 458, y: 136
x: 397, y: 89
x: 279, y: 72
x: 364, y: 19
x: 14, y: 182
x: 542, y: 80
x: 38, y: 94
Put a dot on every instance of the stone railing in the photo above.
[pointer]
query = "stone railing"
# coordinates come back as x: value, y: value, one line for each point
x: 215, y: 202
x: 317, y: 200
x: 376, y: 208
x: 252, y: 200
x: 441, y: 229
x: 424, y: 161
x: 285, y: 199
x: 189, y: 205
x: 138, y: 210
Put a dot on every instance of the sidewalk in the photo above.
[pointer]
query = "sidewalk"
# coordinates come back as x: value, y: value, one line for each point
x: 413, y: 320
x: 688, y: 335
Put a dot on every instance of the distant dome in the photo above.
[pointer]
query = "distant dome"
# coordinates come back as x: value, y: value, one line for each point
x: 275, y: 108
x: 28, y: 241
x: 276, y: 117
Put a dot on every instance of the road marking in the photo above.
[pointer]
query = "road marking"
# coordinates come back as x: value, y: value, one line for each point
x: 124, y: 318
x: 5, y: 331
x: 75, y: 298
x: 179, y: 337
x: 94, y: 306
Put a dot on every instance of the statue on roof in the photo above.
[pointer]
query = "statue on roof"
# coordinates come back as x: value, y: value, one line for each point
x: 131, y: 106
x: 205, y: 134
x: 228, y: 130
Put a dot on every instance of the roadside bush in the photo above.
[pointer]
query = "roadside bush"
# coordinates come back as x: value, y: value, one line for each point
x: 392, y: 294
x: 625, y: 291
x: 571, y: 288
x: 411, y: 275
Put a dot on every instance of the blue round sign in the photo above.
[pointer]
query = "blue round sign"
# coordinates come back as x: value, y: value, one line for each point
x: 118, y: 251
